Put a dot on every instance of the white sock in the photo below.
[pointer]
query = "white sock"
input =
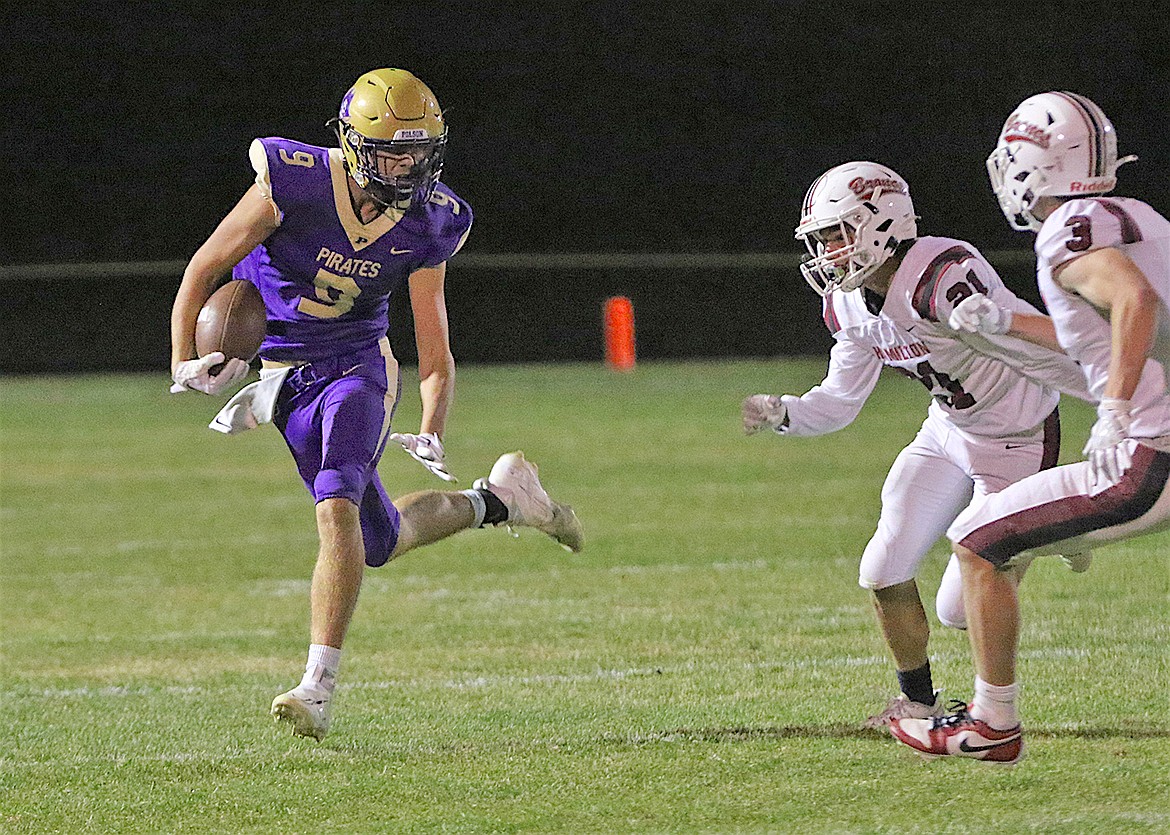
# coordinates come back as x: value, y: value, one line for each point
x: 478, y: 506
x: 996, y: 704
x: 322, y: 666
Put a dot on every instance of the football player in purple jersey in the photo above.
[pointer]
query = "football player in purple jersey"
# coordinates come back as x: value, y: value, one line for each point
x: 327, y: 235
x: 1103, y: 269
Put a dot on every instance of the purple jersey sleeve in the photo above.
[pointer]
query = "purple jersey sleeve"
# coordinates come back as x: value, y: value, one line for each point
x: 445, y: 221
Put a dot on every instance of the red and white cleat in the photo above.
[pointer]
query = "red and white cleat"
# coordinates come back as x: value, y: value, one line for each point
x: 958, y: 734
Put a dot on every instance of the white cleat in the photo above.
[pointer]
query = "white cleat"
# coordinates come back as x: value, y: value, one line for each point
x: 515, y: 481
x: 901, y: 707
x: 306, y: 710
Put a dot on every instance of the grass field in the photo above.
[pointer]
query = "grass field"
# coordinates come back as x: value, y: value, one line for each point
x: 703, y: 666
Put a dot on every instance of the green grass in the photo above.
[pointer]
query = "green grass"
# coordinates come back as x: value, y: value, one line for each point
x: 703, y: 666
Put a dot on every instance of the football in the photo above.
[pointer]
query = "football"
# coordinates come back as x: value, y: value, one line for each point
x: 232, y: 321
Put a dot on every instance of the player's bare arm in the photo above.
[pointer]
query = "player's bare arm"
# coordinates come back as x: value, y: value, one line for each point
x: 247, y: 225
x: 979, y: 313
x: 1035, y: 328
x: 1109, y: 280
x: 436, y: 365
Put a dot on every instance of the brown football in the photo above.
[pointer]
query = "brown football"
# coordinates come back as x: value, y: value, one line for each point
x: 232, y: 321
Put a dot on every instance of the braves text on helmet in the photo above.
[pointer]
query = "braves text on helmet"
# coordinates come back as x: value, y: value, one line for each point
x: 1017, y: 130
x: 864, y: 187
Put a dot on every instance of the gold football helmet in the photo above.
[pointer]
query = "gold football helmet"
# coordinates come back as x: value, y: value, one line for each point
x: 393, y: 137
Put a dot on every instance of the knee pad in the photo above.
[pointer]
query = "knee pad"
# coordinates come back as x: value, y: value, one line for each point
x: 948, y: 603
x: 951, y: 617
x: 880, y: 566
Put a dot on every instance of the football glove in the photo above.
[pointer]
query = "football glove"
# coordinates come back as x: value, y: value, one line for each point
x: 979, y: 314
x: 195, y: 374
x: 762, y: 410
x: 1107, y: 456
x: 426, y: 449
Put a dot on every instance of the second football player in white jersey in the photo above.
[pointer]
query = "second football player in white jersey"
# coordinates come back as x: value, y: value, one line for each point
x: 888, y: 295
x: 1103, y: 266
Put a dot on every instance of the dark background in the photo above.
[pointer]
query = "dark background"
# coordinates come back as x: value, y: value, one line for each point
x: 604, y: 127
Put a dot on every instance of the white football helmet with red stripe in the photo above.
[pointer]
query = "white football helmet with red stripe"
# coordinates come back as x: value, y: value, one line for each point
x: 863, y: 207
x: 1053, y: 145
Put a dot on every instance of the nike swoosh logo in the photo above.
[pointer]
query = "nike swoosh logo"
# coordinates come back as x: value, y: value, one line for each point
x: 395, y: 251
x: 1014, y: 446
x: 971, y: 749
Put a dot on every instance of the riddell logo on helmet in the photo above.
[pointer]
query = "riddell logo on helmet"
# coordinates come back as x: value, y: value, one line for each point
x: 864, y: 187
x: 1077, y: 187
x: 1017, y: 130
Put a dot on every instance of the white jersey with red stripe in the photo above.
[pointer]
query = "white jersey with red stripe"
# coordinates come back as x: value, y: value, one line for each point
x: 1087, y: 224
x: 987, y: 386
x: 1070, y: 509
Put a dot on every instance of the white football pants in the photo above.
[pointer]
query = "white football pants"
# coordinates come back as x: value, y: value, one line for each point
x: 931, y: 482
x: 1066, y: 511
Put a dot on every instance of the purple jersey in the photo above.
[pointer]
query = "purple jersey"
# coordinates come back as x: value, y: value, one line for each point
x: 326, y: 278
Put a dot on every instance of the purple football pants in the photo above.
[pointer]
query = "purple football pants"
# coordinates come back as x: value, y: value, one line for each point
x: 333, y: 416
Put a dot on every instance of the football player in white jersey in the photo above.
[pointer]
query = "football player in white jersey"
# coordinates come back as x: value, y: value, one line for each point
x: 1103, y: 266
x: 888, y: 295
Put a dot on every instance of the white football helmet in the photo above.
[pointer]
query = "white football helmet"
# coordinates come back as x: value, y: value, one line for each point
x: 1053, y: 145
x: 869, y: 206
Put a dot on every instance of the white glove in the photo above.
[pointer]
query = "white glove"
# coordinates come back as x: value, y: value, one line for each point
x: 426, y: 449
x: 1108, y: 458
x: 979, y: 314
x: 762, y: 410
x: 194, y: 375
x: 237, y: 415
